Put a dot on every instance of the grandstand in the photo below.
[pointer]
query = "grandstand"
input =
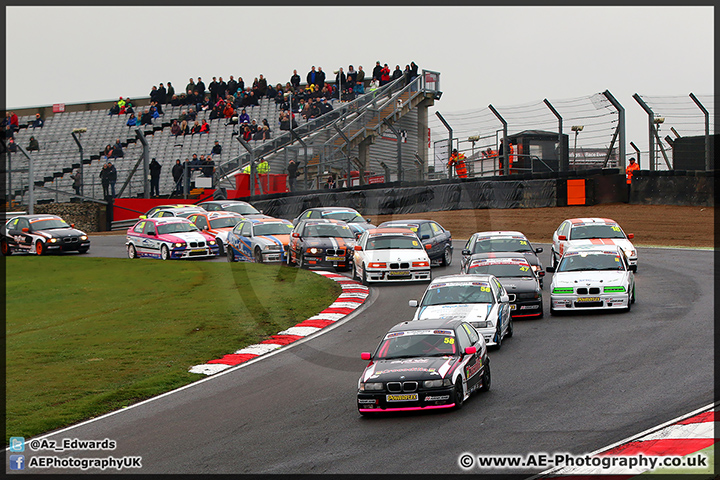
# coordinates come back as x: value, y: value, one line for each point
x: 355, y: 135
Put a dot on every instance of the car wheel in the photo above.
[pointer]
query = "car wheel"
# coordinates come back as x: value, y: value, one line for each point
x: 132, y: 253
x: 486, y: 378
x: 258, y: 256
x: 289, y: 259
x: 553, y: 260
x: 221, y: 247
x: 354, y: 272
x: 39, y: 248
x: 83, y: 250
x: 230, y: 254
x: 300, y: 261
x: 5, y: 248
x: 164, y: 252
x: 498, y: 338
x: 364, y: 278
x: 511, y: 329
x: 459, y: 394
x: 632, y: 299
x: 447, y: 257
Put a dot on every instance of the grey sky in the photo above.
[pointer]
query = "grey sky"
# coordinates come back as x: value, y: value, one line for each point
x: 498, y: 55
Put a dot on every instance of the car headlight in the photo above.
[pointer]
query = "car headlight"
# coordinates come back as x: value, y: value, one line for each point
x: 314, y: 250
x: 83, y: 237
x: 211, y: 242
x: 53, y: 240
x: 535, y: 268
x: 364, y: 387
x: 272, y: 247
x: 482, y: 324
x: 179, y: 244
x: 629, y: 252
x: 377, y: 265
x: 614, y: 289
x: 437, y: 383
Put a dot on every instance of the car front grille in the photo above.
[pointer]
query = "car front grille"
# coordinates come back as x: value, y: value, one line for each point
x: 197, y: 244
x: 196, y: 253
x: 585, y: 291
x: 71, y: 240
x: 397, y: 387
x: 526, y: 296
x: 339, y: 252
x: 395, y: 266
x: 588, y: 304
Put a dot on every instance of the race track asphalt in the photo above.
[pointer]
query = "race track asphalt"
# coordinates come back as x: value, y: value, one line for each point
x: 562, y: 384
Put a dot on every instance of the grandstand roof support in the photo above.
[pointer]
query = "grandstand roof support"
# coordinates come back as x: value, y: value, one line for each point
x: 651, y: 129
x: 620, y: 132
x: 82, y: 175
x: 450, y: 137
x: 561, y: 164
x: 707, y: 130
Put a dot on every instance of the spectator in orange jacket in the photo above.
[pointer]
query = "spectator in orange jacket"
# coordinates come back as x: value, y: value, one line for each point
x: 632, y: 167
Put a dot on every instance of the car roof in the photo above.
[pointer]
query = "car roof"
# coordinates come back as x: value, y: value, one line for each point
x: 491, y: 255
x: 591, y: 221
x: 36, y: 216
x: 389, y: 231
x: 461, y: 278
x: 270, y: 220
x: 613, y: 249
x: 405, y: 222
x: 161, y: 220
x: 331, y: 209
x: 320, y: 220
x: 226, y: 202
x: 432, y: 323
x: 501, y: 233
x: 220, y: 214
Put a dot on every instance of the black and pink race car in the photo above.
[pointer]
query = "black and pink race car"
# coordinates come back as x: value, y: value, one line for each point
x: 41, y: 234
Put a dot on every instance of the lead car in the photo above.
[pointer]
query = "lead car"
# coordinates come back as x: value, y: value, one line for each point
x: 424, y: 365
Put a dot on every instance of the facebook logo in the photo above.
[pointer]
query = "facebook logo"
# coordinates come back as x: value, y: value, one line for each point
x: 17, y: 462
x: 17, y: 444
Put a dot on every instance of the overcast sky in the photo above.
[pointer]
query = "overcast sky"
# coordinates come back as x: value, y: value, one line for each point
x: 500, y: 55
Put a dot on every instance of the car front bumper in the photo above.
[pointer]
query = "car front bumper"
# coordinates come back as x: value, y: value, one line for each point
x: 326, y: 261
x: 209, y: 251
x: 61, y: 246
x: 526, y: 308
x: 590, y: 302
x: 404, y: 275
x: 398, y: 402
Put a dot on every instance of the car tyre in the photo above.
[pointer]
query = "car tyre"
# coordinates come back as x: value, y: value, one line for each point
x: 459, y: 394
x: 364, y: 278
x: 486, y: 378
x: 447, y: 257
x: 230, y: 254
x: 300, y: 261
x: 553, y: 259
x: 5, y: 248
x: 632, y: 299
x: 498, y: 338
x: 164, y: 252
x: 354, y: 272
x: 132, y: 253
x: 289, y: 259
x: 258, y: 256
x: 511, y: 329
x: 221, y: 247
x: 39, y: 248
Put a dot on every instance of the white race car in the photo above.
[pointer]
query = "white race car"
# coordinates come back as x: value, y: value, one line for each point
x: 591, y: 231
x: 390, y: 254
x: 592, y: 277
x: 479, y: 300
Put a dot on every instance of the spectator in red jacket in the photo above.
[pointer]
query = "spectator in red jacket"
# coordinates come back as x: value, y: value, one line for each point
x: 205, y: 127
x: 384, y: 75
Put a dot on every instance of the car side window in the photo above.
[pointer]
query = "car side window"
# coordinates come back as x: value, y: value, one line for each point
x: 149, y: 228
x: 13, y: 224
x: 200, y: 221
x: 23, y: 223
x: 437, y: 229
x: 246, y: 230
x: 139, y: 227
x: 425, y: 230
x: 463, y: 339
x: 472, y: 333
x: 566, y: 229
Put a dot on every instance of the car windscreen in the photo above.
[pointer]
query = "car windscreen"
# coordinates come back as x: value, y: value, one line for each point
x: 501, y: 269
x: 393, y: 242
x: 241, y: 209
x: 344, y: 216
x: 48, y: 224
x: 590, y: 261
x: 224, y: 222
x: 450, y: 294
x: 328, y: 230
x: 178, y: 227
x: 413, y: 344
x: 584, y: 232
x: 502, y: 245
x: 277, y: 228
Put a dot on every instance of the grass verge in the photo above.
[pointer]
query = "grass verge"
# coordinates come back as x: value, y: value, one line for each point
x: 85, y: 336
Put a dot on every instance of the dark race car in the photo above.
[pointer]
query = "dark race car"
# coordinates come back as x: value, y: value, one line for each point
x: 237, y: 206
x: 430, y: 233
x: 424, y: 365
x: 40, y: 234
x: 517, y: 277
x: 504, y: 241
x: 321, y: 243
x: 357, y: 223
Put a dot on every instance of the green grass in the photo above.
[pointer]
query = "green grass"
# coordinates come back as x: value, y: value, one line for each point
x: 700, y: 473
x: 86, y: 336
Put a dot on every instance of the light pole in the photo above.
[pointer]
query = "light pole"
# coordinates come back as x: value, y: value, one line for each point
x: 577, y: 129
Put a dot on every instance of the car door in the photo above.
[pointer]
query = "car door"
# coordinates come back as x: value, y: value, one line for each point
x: 467, y: 248
x: 149, y: 242
x: 359, y: 255
x: 560, y: 244
x: 472, y: 364
x: 503, y: 308
x: 243, y: 240
x: 427, y: 237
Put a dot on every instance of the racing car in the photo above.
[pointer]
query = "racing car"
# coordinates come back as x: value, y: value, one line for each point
x: 480, y: 300
x: 352, y: 217
x: 41, y: 234
x: 321, y: 243
x: 169, y: 238
x: 591, y: 231
x: 424, y: 365
x: 592, y: 277
x: 238, y: 206
x: 259, y: 240
x: 389, y: 255
x: 217, y: 223
x: 504, y: 241
x: 516, y: 275
x: 430, y: 233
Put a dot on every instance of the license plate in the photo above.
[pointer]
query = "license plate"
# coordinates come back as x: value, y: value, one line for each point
x: 588, y: 299
x: 401, y: 273
x: 513, y: 307
x: 334, y: 259
x: 198, y: 250
x: 405, y: 397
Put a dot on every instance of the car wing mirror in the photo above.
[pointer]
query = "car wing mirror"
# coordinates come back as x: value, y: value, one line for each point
x: 539, y: 250
x: 295, y: 235
x: 367, y: 220
x: 143, y: 216
x: 504, y: 298
x: 428, y: 246
x: 425, y: 237
x: 562, y: 237
x: 470, y: 350
x: 72, y: 225
x: 631, y: 235
x: 413, y: 303
x: 550, y: 269
x: 358, y: 248
x: 366, y: 356
x: 25, y: 229
x: 465, y: 251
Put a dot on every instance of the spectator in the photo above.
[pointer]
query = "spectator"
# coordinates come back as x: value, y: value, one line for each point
x: 77, y: 181
x: 262, y: 86
x: 183, y: 116
x: 241, y: 84
x: 190, y: 87
x: 262, y: 166
x: 146, y: 119
x: 9, y: 131
x: 195, y: 161
x: 196, y: 128
x: 104, y: 180
x: 271, y: 92
x: 200, y: 87
x: 325, y: 106
x: 115, y: 109
x: 118, y: 150
x: 212, y: 87
x: 629, y: 170
x: 192, y: 115
x: 351, y: 77
x: 397, y: 73
x: 170, y: 91
x: 293, y: 173
x: 413, y: 75
x: 384, y: 75
x: 14, y: 121
x: 266, y: 124
x: 340, y: 79
x: 121, y: 103
x: 12, y: 146
x: 377, y: 71
x: 295, y: 79
x: 330, y: 183
x: 184, y: 129
x: 155, y: 168
x: 208, y: 167
x: 154, y: 112
x: 229, y: 111
x: 360, y: 81
x: 246, y: 133
x: 38, y: 122
x: 205, y: 127
x: 153, y: 94
x: 311, y: 76
x: 232, y: 86
x: 108, y: 150
x: 244, y: 117
x: 161, y: 95
x: 175, y: 128
x: 320, y: 78
x: 254, y: 126
x: 129, y: 107
x: 132, y: 121
x: 217, y: 148
x: 33, y: 145
x: 112, y: 177
x: 177, y: 174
